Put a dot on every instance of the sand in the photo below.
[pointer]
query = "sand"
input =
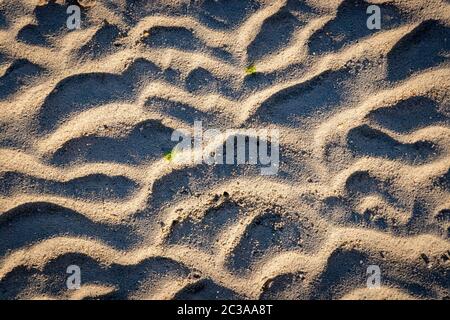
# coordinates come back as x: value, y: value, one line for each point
x: 85, y: 129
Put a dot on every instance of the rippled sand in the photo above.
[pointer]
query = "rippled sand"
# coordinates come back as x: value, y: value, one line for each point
x: 87, y: 117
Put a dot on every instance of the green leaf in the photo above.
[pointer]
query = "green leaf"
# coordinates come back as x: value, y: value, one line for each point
x: 169, y: 155
x: 251, y: 69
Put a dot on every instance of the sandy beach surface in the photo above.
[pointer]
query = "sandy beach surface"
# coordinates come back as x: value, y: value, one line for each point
x: 94, y: 205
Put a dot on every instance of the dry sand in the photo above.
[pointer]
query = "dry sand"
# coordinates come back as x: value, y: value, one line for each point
x: 87, y: 116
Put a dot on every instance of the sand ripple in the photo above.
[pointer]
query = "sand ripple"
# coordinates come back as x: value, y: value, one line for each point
x: 87, y: 117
